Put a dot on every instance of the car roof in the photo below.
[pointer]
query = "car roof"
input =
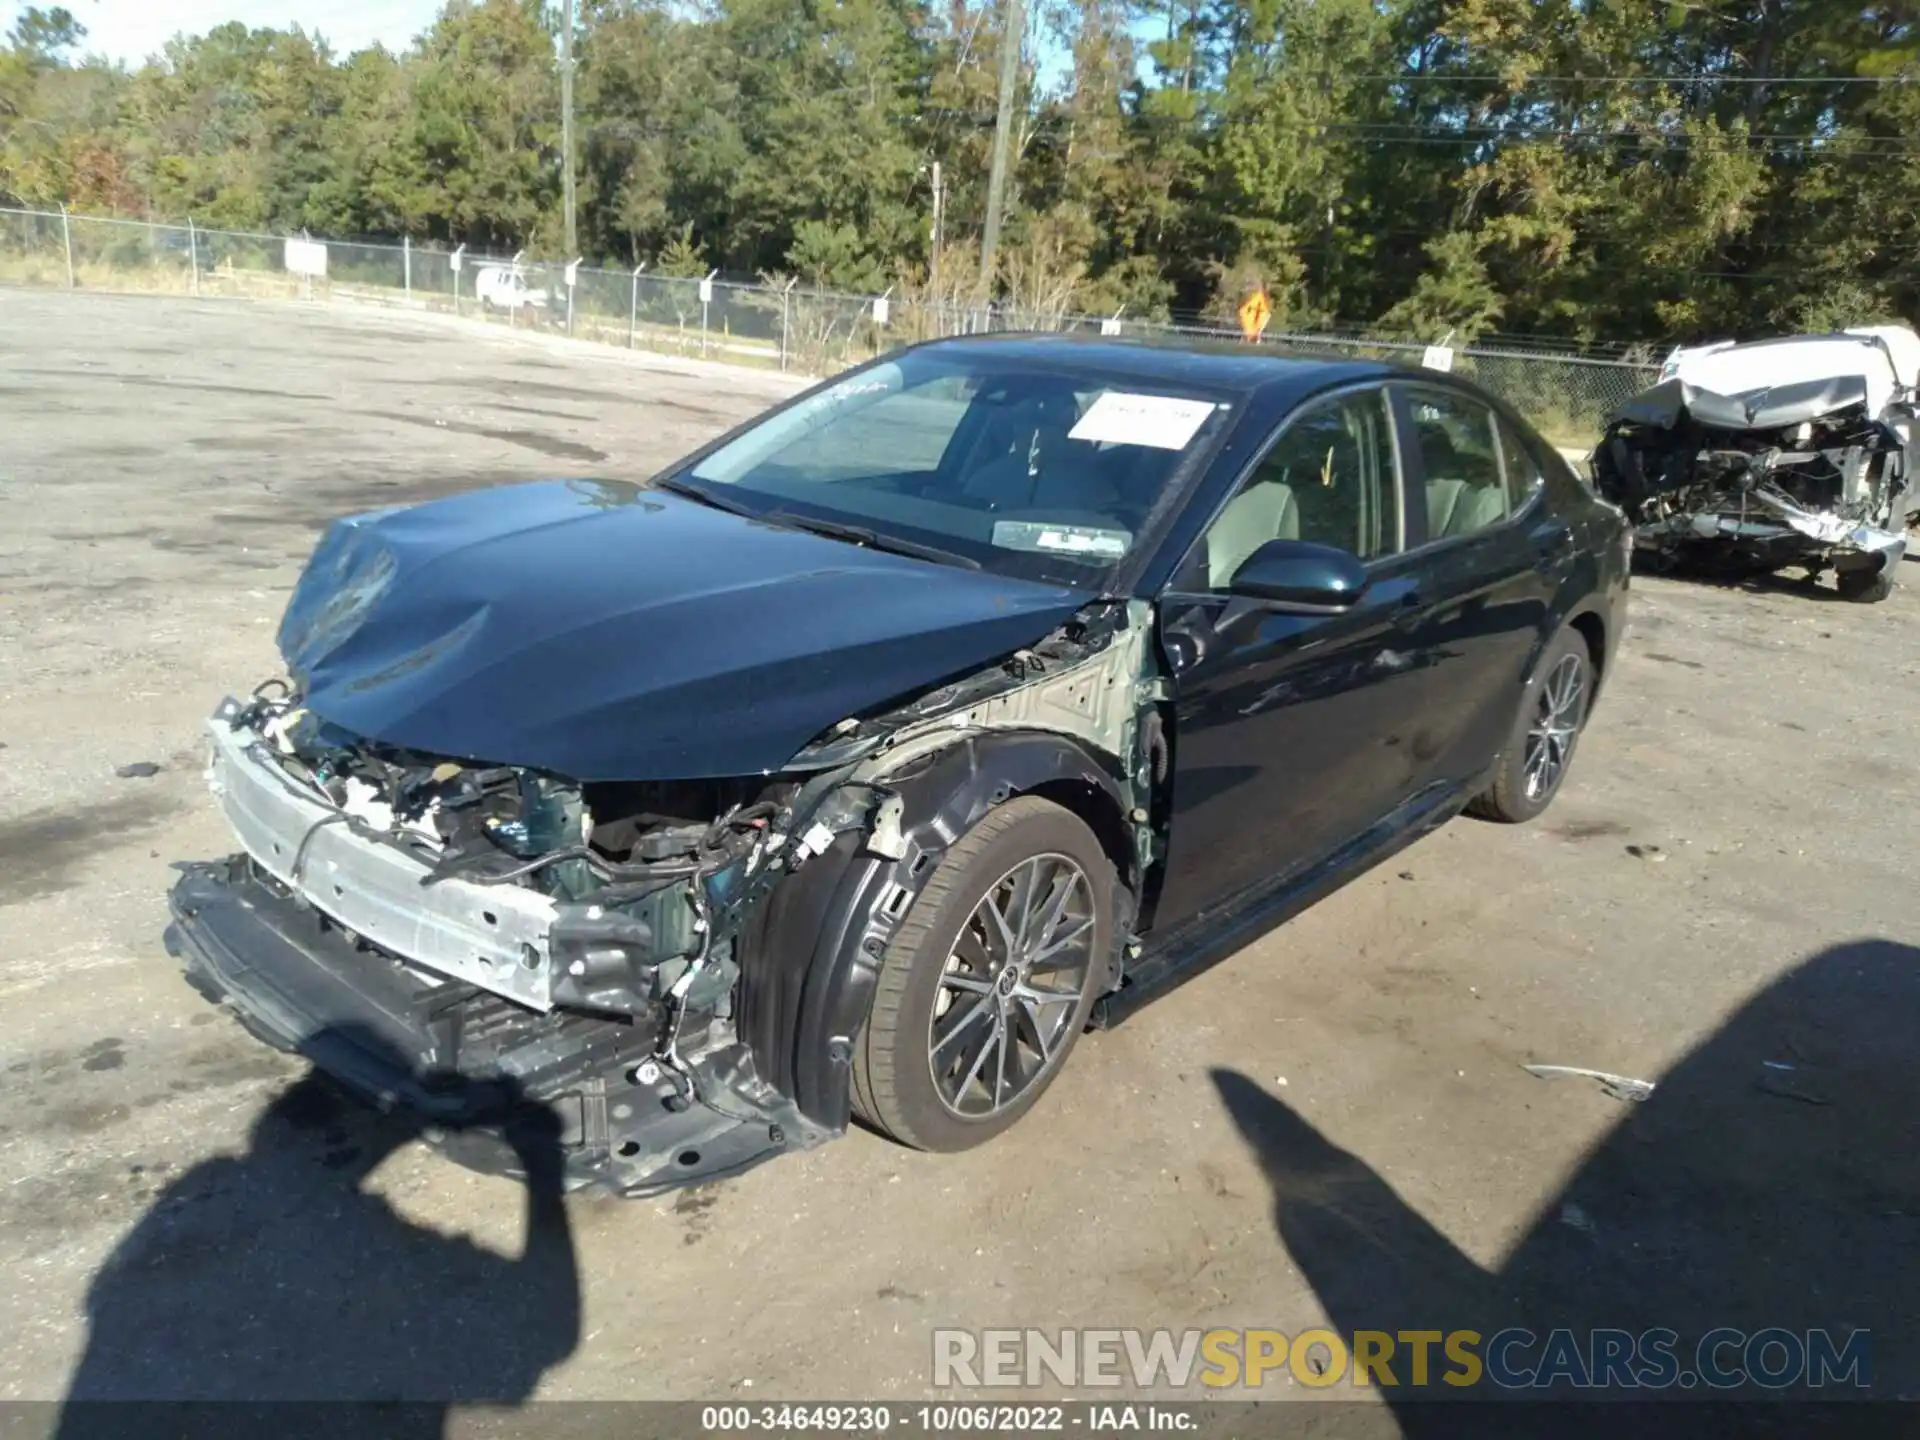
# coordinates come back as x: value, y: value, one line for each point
x: 1216, y: 365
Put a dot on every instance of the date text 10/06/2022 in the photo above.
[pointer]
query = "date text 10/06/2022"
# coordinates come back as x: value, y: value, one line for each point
x: 867, y: 1419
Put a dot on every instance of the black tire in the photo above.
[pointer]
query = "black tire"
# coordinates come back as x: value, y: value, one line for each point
x: 893, y: 1070
x: 1511, y: 799
x: 1867, y: 587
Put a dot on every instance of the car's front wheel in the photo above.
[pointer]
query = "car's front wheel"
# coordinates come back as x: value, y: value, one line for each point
x: 1868, y: 585
x: 987, y: 985
x: 1553, y: 710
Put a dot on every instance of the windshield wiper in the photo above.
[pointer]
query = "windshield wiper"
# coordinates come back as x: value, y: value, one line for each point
x: 705, y: 496
x: 872, y: 539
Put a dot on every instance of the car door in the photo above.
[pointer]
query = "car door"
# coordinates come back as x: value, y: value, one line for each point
x: 1485, y: 559
x: 1286, y: 724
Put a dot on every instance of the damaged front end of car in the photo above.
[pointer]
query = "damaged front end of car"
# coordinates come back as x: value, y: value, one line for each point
x: 679, y: 969
x: 1809, y: 472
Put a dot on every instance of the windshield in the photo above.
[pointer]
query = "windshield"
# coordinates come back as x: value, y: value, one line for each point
x: 1022, y: 469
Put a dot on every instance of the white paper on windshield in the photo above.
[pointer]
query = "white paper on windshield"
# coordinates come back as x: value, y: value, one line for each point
x: 1086, y: 541
x: 1163, y: 422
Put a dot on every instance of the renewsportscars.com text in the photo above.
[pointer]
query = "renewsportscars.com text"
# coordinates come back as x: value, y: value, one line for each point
x: 1510, y: 1359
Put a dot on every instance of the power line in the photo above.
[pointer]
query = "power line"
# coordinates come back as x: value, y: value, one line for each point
x: 1836, y: 148
x: 1841, y: 145
x: 1722, y: 140
x: 1442, y: 77
x: 1575, y: 132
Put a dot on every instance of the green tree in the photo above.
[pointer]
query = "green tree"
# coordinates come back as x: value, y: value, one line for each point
x: 1454, y: 295
x: 1571, y: 168
x: 485, y: 124
x: 681, y: 258
x: 40, y: 37
x: 834, y: 257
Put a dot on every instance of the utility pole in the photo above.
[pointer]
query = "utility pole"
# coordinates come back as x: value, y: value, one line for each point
x: 566, y: 115
x: 933, y: 255
x: 1012, y: 31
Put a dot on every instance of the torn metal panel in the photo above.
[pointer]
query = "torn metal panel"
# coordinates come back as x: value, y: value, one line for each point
x: 1100, y: 688
x: 1095, y: 696
x: 1076, y: 710
x: 1881, y: 360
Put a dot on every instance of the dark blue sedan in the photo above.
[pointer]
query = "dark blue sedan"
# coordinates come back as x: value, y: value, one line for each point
x: 861, y: 761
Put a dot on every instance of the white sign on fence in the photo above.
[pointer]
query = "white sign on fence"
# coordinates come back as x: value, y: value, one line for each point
x: 880, y: 308
x: 1110, y: 326
x: 706, y: 292
x: 1438, y: 357
x: 306, y: 257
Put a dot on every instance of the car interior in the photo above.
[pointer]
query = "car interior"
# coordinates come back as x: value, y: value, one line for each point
x: 1465, y: 491
x: 1011, y: 456
x: 1021, y: 462
x: 971, y: 460
x: 1315, y: 484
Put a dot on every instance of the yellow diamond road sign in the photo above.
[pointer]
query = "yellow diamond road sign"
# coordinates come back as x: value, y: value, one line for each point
x: 1255, y: 311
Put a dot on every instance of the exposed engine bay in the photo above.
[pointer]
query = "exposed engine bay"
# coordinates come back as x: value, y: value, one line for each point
x: 638, y: 954
x: 1798, y: 451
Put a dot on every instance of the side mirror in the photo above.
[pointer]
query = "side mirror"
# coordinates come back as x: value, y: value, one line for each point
x: 1300, y: 575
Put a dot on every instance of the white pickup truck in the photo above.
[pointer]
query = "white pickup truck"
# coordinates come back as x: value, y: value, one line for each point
x: 504, y: 287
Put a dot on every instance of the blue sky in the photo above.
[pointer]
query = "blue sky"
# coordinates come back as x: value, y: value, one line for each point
x: 131, y: 30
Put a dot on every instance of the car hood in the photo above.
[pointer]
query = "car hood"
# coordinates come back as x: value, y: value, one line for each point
x: 1772, y: 384
x: 1767, y: 407
x: 601, y: 630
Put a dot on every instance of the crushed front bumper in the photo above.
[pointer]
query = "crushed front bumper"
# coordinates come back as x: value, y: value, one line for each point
x: 458, y: 1057
x: 1791, y: 536
x: 496, y: 937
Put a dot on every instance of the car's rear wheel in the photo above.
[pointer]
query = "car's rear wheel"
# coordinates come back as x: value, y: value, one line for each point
x: 1539, y: 750
x: 989, y: 982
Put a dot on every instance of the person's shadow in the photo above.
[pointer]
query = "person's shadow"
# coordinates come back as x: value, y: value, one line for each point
x: 273, y: 1277
x: 1771, y: 1181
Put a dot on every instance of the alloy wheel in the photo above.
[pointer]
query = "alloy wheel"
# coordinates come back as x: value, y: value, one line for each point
x: 1012, y: 986
x: 1556, y: 725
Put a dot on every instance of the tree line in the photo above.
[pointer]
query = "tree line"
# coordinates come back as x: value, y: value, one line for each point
x: 1593, y: 170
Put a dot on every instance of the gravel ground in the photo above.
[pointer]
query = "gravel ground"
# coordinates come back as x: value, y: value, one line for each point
x: 1331, y: 1126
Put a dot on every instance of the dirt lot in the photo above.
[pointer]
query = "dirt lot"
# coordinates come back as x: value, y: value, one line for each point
x: 1332, y: 1125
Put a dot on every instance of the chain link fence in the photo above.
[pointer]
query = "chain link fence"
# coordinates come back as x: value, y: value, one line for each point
x: 793, y: 326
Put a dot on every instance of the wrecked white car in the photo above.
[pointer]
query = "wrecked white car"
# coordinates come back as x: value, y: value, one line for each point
x: 1798, y: 451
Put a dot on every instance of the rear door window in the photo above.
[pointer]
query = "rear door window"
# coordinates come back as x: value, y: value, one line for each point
x: 1460, y: 450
